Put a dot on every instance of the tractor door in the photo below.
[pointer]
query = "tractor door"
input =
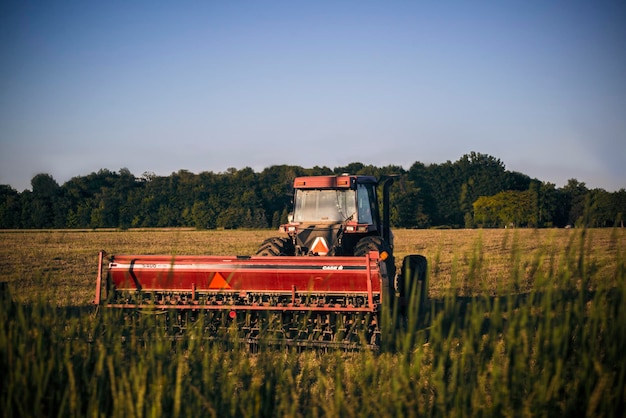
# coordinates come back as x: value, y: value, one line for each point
x: 367, y: 205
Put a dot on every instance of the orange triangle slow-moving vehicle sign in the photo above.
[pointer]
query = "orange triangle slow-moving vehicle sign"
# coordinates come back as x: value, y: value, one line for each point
x: 319, y: 246
x: 218, y: 282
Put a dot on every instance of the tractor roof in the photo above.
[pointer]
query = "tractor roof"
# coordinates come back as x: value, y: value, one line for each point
x: 343, y: 181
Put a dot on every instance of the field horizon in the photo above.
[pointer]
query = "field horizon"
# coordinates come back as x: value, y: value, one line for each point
x: 62, y: 264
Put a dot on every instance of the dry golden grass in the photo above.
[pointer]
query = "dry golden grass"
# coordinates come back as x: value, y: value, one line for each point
x: 61, y: 266
x: 490, y: 260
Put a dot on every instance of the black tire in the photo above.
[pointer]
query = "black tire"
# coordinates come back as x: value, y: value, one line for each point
x: 413, y: 280
x: 375, y: 243
x: 370, y: 243
x: 275, y: 247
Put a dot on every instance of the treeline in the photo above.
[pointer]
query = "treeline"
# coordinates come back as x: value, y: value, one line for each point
x: 475, y: 191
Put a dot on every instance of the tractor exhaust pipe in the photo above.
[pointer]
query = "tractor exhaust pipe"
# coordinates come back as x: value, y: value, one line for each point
x: 386, y: 181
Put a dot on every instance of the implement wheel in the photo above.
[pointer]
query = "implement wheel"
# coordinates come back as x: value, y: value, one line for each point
x: 413, y: 280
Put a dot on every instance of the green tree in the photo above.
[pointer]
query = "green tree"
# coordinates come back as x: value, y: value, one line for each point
x: 486, y: 210
x: 202, y: 215
x: 547, y: 198
x: 479, y: 175
x: 425, y: 195
x: 453, y: 187
x: 420, y: 176
x: 509, y: 208
x: 276, y: 190
x: 445, y: 193
x: 618, y: 205
x: 573, y: 202
x: 406, y: 205
x: 10, y: 208
x: 43, y: 199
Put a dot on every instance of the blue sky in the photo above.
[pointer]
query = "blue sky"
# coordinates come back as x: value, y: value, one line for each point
x: 206, y: 85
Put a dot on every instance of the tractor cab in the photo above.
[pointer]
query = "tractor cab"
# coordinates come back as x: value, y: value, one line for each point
x: 331, y: 214
x: 326, y: 203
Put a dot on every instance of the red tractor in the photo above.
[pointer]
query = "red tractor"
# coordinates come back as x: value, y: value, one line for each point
x: 336, y: 216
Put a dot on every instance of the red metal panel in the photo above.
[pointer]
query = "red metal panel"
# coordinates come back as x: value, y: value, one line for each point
x: 322, y: 182
x: 331, y: 182
x: 99, y: 278
x: 254, y: 274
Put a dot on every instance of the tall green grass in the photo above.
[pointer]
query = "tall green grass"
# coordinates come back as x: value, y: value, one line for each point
x: 557, y: 350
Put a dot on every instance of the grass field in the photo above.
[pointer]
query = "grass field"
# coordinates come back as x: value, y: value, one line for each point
x: 60, y: 266
x: 520, y: 323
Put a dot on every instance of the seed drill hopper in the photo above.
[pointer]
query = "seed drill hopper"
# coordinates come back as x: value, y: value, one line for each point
x: 326, y: 280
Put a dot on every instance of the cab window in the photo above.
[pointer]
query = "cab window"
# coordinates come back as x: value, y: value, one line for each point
x: 365, y: 198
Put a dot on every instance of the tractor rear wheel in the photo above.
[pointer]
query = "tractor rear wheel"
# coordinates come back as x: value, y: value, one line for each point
x: 375, y: 243
x: 276, y: 246
x: 370, y: 243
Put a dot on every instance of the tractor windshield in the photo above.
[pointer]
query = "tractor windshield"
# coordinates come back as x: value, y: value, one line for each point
x: 324, y: 205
